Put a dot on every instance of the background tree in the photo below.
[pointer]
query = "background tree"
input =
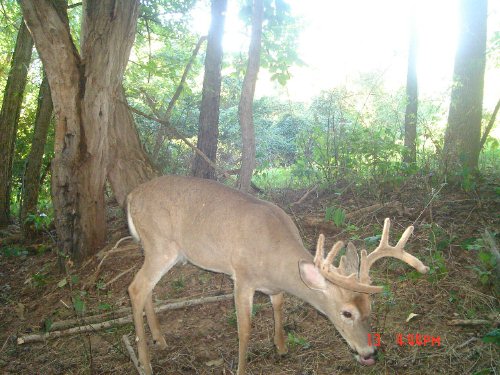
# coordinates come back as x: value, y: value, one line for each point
x: 9, y: 116
x: 410, y: 155
x: 245, y: 110
x: 208, y: 130
x: 462, y: 139
x: 31, y: 178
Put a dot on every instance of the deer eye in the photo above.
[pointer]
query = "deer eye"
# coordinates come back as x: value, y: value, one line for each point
x: 347, y: 314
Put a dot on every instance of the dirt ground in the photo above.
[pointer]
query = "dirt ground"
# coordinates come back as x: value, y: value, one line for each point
x: 202, y: 339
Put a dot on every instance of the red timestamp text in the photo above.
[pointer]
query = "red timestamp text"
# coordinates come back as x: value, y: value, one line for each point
x: 410, y: 339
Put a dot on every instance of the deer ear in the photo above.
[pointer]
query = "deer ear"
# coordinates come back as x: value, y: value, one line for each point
x: 311, y: 276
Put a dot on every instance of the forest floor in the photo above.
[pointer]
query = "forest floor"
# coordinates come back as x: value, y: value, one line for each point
x: 202, y: 339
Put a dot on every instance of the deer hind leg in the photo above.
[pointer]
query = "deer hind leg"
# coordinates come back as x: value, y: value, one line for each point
x: 140, y: 290
x: 243, y: 299
x: 279, y: 332
x: 154, y: 324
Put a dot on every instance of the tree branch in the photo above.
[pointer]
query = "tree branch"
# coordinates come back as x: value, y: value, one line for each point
x: 119, y: 321
x: 490, y: 125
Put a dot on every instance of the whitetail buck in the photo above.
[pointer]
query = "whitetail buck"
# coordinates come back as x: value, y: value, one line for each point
x: 220, y: 229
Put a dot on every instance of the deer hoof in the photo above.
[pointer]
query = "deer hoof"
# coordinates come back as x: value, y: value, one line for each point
x: 160, y: 342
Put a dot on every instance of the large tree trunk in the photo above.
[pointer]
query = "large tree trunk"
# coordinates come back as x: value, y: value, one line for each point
x: 410, y: 155
x: 245, y: 111
x: 208, y: 131
x: 31, y: 179
x: 462, y: 138
x: 84, y: 90
x: 9, y: 116
x: 129, y: 165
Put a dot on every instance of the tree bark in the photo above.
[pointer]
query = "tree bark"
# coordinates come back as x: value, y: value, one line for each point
x: 9, y: 116
x: 410, y: 142
x: 129, y: 165
x: 462, y: 137
x: 208, y: 131
x: 245, y: 110
x: 31, y: 179
x: 84, y: 88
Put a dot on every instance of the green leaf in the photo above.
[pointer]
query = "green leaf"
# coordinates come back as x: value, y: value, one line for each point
x: 62, y: 283
x: 492, y: 337
x: 339, y: 217
x: 79, y: 305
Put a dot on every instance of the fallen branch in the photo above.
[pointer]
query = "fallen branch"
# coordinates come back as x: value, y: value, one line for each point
x: 303, y: 198
x: 469, y: 322
x: 132, y: 355
x: 467, y: 342
x: 320, y: 220
x: 119, y: 321
x: 118, y: 276
x: 113, y: 250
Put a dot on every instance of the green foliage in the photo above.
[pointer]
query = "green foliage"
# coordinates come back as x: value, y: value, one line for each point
x: 492, y: 337
x: 296, y: 341
x: 10, y: 251
x: 487, y: 262
x: 337, y: 215
x: 79, y: 304
x: 179, y: 284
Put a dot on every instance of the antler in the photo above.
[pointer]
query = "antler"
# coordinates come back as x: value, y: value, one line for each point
x: 361, y: 282
x: 334, y: 274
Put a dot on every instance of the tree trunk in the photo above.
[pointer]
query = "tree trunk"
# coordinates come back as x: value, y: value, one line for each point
x: 31, y: 179
x: 462, y: 138
x: 245, y: 110
x: 488, y: 128
x: 208, y: 131
x: 84, y: 90
x: 129, y: 165
x: 9, y: 116
x: 410, y: 155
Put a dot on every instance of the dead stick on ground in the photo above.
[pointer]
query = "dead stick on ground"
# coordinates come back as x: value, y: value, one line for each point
x: 132, y: 355
x: 471, y: 322
x: 120, y: 321
x: 303, y: 198
x: 467, y: 342
x: 118, y: 276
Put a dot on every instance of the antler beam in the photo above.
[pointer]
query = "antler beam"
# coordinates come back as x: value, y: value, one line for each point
x: 361, y: 281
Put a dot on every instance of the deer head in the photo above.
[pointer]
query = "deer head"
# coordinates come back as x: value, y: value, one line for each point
x: 349, y: 286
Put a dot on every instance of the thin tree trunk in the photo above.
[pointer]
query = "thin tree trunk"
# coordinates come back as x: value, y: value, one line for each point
x: 9, y: 116
x: 410, y: 155
x: 31, y: 179
x: 208, y: 131
x: 462, y: 138
x: 489, y: 126
x: 245, y: 110
x: 162, y: 133
x: 84, y: 90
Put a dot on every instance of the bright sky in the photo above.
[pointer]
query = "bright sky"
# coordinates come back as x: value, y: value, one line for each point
x: 342, y: 38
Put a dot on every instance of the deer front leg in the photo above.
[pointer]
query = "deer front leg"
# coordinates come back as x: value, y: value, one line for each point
x: 279, y: 332
x: 243, y: 298
x: 154, y: 324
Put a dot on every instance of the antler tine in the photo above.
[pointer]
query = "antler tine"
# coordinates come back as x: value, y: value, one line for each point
x: 385, y: 250
x: 404, y: 238
x: 320, y: 247
x: 384, y: 240
x: 333, y: 252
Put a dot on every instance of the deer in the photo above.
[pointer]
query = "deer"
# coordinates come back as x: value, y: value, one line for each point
x: 217, y: 228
